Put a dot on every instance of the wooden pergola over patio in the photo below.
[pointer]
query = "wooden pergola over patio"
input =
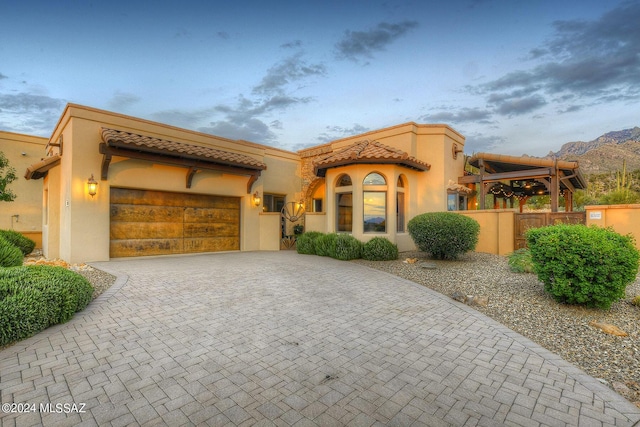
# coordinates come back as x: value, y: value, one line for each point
x: 510, y: 177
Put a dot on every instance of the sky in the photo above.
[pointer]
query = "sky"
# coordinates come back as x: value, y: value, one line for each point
x: 514, y: 77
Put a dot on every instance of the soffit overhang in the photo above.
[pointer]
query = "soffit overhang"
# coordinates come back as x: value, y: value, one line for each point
x: 40, y: 169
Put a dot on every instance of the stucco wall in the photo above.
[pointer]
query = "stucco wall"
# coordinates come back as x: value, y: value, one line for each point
x: 624, y: 219
x: 22, y: 151
x: 496, y: 230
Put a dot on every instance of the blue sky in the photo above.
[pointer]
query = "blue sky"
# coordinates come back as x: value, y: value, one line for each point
x: 514, y: 77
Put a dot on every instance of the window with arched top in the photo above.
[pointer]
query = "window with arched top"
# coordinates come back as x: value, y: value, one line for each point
x: 374, y: 197
x: 400, y: 204
x: 344, y: 203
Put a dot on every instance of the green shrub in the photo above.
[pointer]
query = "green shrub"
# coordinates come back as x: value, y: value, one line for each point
x: 379, y: 249
x: 326, y: 244
x: 33, y: 298
x: 636, y: 301
x: 584, y: 265
x: 22, y: 242
x: 347, y: 247
x: 444, y: 235
x: 21, y: 313
x: 306, y: 242
x: 10, y: 255
x: 520, y: 261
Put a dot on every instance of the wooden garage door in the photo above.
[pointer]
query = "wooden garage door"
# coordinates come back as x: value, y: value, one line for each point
x: 145, y: 222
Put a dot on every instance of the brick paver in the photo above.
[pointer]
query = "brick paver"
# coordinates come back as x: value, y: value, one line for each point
x: 277, y: 338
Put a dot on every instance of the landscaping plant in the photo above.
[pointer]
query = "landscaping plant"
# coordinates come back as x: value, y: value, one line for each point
x: 444, y: 235
x: 584, y: 265
x: 306, y: 242
x: 33, y: 298
x: 325, y: 244
x: 346, y: 248
x: 379, y: 249
x: 10, y: 254
x: 22, y: 242
x: 520, y: 261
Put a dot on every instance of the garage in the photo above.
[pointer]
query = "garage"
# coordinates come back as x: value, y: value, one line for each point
x: 146, y: 222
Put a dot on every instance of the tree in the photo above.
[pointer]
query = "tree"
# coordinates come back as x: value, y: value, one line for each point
x: 7, y: 176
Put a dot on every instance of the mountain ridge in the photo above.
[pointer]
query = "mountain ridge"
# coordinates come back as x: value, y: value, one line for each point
x: 604, y: 154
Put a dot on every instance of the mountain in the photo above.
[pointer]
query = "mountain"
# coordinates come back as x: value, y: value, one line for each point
x: 605, y: 153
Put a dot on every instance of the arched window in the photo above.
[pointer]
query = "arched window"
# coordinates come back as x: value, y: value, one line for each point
x: 400, y: 205
x: 344, y: 203
x: 374, y: 198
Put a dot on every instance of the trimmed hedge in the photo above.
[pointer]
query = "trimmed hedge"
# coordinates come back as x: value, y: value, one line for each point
x: 10, y: 255
x: 306, y: 242
x: 35, y: 297
x: 444, y: 235
x: 583, y: 265
x: 347, y: 247
x: 326, y: 244
x: 379, y: 249
x: 22, y: 242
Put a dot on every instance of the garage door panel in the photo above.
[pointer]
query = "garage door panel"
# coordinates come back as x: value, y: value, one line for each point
x: 143, y: 213
x: 211, y: 215
x: 146, y: 230
x: 140, y: 247
x: 145, y: 222
x: 211, y: 229
x: 211, y: 244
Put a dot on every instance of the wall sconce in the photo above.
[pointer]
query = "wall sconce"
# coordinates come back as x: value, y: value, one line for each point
x: 256, y: 199
x: 92, y: 186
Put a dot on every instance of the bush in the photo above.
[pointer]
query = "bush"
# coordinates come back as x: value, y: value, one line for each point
x: 10, y: 255
x: 444, y: 235
x: 325, y: 244
x: 22, y: 242
x: 583, y: 265
x: 33, y: 298
x: 347, y: 247
x: 306, y: 242
x: 520, y: 261
x: 379, y: 249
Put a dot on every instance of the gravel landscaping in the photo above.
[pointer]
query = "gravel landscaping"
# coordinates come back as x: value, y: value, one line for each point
x: 518, y: 301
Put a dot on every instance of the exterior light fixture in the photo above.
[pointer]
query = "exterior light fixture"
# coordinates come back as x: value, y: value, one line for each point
x: 256, y: 199
x: 92, y: 186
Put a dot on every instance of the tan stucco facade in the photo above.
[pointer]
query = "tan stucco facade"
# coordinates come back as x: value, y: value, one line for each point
x: 24, y: 214
x: 76, y: 226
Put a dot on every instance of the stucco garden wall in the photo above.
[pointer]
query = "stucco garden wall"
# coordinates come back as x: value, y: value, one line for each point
x: 624, y: 219
x: 24, y: 214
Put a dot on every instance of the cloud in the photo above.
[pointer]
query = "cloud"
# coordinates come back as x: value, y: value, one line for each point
x: 336, y: 132
x: 362, y: 44
x: 122, y: 100
x: 253, y: 130
x: 479, y: 142
x: 30, y: 113
x: 292, y: 45
x: 463, y: 115
x: 223, y: 35
x: 594, y: 61
x: 2, y: 76
x: 287, y: 71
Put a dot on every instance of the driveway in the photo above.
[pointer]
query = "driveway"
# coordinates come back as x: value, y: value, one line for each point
x: 277, y: 338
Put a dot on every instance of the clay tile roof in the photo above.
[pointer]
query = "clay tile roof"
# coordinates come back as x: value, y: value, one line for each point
x: 368, y: 152
x: 131, y: 141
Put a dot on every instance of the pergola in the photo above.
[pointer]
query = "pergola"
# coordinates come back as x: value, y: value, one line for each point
x: 511, y: 177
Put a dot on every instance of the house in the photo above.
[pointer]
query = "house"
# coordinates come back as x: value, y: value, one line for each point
x: 118, y: 186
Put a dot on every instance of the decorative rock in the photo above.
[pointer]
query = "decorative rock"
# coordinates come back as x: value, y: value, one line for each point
x: 470, y: 299
x: 410, y: 260
x: 609, y: 329
x: 428, y: 265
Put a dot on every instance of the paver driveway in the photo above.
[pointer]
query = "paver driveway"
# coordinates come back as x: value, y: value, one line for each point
x: 277, y: 338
